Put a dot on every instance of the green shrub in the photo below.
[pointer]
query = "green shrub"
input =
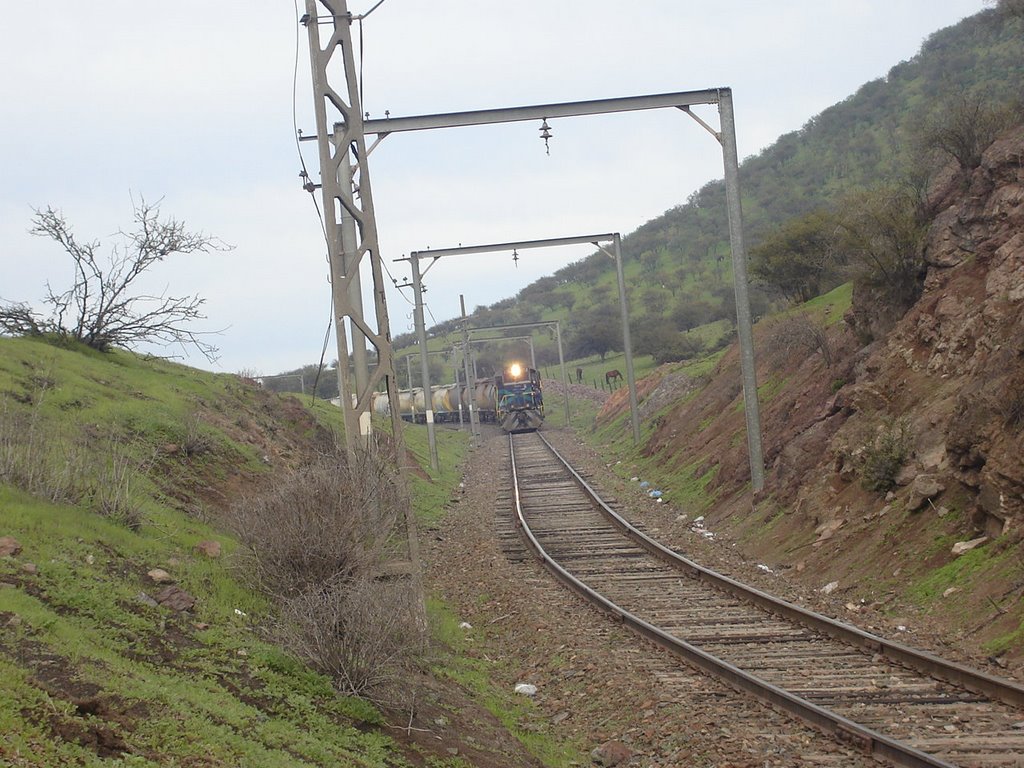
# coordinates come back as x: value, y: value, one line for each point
x: 884, y: 458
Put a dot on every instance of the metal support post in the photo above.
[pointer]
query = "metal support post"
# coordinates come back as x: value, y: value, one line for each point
x: 727, y: 137
x: 627, y: 343
x: 474, y: 419
x: 533, y: 355
x: 421, y: 334
x: 744, y: 326
x: 561, y: 363
x: 350, y: 245
x: 343, y: 168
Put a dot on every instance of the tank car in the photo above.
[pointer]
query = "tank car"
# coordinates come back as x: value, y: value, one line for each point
x: 519, y: 399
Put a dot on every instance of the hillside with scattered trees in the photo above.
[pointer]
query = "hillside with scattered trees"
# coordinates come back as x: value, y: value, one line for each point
x: 869, y: 155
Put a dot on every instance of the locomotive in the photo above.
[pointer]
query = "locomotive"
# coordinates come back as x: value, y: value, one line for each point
x: 519, y: 401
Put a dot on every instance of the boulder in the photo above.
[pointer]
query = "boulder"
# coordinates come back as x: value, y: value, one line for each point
x: 924, y: 488
x: 9, y: 546
x: 611, y: 753
x: 160, y: 576
x: 174, y: 598
x: 209, y: 548
x: 966, y: 546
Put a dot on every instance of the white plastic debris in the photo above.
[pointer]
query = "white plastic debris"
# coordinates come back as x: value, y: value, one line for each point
x: 633, y: 479
x: 829, y: 588
x: 240, y: 613
x: 465, y: 625
x: 765, y: 568
x: 698, y: 520
x: 660, y: 500
x: 654, y: 494
x: 644, y: 484
x: 526, y: 689
x: 901, y: 628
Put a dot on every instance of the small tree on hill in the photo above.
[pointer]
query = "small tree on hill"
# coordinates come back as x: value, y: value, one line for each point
x: 965, y: 127
x: 596, y: 331
x: 103, y: 308
x: 881, y: 233
x: 798, y: 259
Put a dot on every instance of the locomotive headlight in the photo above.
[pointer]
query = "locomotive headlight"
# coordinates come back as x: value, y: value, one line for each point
x: 516, y: 370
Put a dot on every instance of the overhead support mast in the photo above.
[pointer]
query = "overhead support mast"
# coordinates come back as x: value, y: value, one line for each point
x: 349, y: 221
x: 725, y: 136
x: 596, y: 240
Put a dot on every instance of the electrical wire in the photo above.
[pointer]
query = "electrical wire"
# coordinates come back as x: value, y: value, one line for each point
x: 295, y: 126
x: 323, y: 354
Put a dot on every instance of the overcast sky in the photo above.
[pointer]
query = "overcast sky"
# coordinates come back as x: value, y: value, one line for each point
x: 191, y: 102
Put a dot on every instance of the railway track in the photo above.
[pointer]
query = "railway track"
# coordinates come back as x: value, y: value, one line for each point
x: 895, y: 703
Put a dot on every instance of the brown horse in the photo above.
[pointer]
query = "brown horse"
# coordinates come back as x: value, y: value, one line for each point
x: 579, y: 375
x: 612, y: 375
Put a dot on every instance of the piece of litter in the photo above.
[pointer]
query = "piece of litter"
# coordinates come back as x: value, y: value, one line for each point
x: 526, y: 689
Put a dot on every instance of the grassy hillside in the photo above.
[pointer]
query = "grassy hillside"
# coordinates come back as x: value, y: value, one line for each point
x: 114, y: 473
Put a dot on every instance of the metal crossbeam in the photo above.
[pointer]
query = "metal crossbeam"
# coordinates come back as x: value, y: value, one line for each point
x: 541, y: 111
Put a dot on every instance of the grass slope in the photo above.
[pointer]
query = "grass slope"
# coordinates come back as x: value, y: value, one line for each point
x: 92, y: 670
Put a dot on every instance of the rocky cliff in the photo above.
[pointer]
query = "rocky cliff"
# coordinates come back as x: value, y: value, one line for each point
x: 882, y: 459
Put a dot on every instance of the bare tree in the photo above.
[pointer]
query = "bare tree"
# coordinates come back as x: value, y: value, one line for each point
x: 966, y: 125
x: 102, y: 308
x: 799, y: 333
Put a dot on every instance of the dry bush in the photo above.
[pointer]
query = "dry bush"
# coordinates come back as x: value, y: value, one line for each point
x: 798, y: 333
x: 323, y: 523
x: 317, y: 544
x: 99, y: 473
x: 361, y: 632
x: 113, y: 490
x: 38, y: 460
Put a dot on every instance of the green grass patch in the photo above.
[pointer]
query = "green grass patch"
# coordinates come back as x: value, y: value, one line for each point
x: 516, y: 713
x: 956, y: 573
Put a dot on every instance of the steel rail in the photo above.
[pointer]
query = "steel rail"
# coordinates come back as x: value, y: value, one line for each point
x: 990, y: 686
x: 843, y: 729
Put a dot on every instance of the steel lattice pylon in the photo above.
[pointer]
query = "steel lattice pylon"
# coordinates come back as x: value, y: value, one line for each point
x: 351, y: 228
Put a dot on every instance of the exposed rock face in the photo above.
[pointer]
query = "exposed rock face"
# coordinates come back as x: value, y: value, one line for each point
x: 953, y: 366
x: 970, y: 327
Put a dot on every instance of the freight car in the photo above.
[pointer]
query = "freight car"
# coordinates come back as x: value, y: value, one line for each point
x: 520, y: 401
x: 446, y: 401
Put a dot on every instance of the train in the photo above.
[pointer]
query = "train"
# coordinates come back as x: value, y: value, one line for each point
x: 514, y: 400
x: 519, y: 406
x: 446, y: 401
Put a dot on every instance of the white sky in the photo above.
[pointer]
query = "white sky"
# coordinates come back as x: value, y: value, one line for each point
x: 191, y: 102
